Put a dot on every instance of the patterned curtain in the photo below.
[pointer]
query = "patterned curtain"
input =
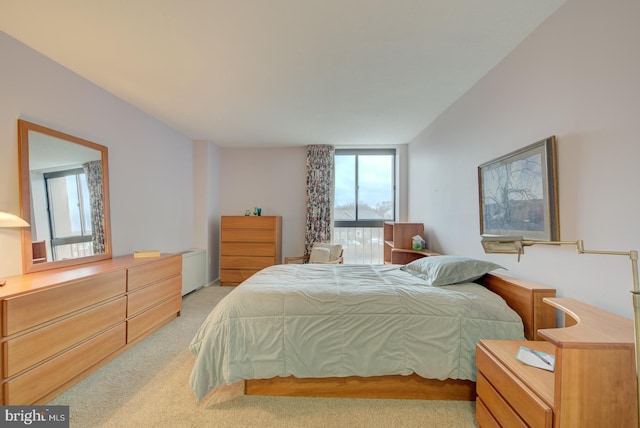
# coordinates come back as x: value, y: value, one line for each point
x: 93, y: 171
x: 320, y: 186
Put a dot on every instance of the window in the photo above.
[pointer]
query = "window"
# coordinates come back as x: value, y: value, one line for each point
x: 364, y: 199
x: 364, y: 187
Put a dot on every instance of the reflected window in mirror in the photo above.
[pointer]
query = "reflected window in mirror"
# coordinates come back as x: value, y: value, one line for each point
x: 64, y: 193
x: 69, y: 215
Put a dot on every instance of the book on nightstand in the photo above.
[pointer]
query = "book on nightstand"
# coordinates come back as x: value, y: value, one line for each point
x: 146, y: 253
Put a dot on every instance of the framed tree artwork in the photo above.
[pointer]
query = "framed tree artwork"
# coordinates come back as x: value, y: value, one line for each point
x: 519, y: 193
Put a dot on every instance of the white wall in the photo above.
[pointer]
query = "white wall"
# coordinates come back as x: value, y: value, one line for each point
x: 577, y: 77
x: 206, y: 218
x: 150, y: 165
x: 272, y: 179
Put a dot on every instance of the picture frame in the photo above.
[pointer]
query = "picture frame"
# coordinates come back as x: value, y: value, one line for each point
x: 518, y: 193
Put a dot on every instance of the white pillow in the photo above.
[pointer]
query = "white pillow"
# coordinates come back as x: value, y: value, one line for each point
x: 446, y: 270
x: 319, y: 255
x: 334, y: 249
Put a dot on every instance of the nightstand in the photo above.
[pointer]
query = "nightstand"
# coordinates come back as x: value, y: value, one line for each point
x: 510, y: 393
x: 593, y: 384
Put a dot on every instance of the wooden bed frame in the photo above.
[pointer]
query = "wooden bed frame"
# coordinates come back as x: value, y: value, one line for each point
x: 522, y: 296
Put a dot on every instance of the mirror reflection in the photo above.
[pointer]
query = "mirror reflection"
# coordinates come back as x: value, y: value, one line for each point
x: 65, y: 195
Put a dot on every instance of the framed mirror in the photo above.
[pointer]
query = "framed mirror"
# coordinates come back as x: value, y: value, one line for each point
x: 64, y: 196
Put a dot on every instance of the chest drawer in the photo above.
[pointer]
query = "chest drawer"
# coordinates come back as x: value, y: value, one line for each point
x: 249, y: 222
x: 501, y: 387
x: 247, y: 235
x: 29, y: 310
x: 146, y: 273
x: 249, y: 249
x: 240, y: 262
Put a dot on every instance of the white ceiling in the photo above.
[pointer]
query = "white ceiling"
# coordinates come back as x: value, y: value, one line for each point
x: 265, y: 73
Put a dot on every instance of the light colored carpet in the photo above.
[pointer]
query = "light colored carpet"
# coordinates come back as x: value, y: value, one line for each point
x: 147, y: 386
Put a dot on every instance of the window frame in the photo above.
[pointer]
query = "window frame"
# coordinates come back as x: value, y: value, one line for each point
x: 369, y: 152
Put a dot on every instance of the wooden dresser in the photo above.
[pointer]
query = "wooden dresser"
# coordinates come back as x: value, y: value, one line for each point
x: 593, y: 384
x: 58, y: 326
x: 247, y: 245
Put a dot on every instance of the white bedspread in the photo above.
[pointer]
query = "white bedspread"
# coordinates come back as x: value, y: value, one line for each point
x: 345, y: 320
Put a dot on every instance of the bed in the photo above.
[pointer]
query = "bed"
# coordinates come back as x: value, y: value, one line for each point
x: 363, y: 330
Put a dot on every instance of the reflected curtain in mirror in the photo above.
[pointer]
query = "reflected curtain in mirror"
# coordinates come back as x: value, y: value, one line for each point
x: 93, y: 171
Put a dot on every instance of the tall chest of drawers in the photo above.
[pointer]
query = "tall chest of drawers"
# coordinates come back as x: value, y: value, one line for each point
x: 247, y: 245
x: 58, y: 326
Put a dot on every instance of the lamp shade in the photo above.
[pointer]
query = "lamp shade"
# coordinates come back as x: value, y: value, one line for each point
x: 10, y: 220
x: 502, y: 244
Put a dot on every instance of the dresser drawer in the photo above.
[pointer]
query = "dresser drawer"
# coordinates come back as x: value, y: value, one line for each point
x: 35, y: 384
x: 146, y: 273
x: 28, y: 310
x: 29, y: 349
x: 240, y: 262
x: 146, y: 297
x: 525, y: 403
x: 153, y: 317
x: 496, y: 405
x: 249, y: 249
x: 247, y: 235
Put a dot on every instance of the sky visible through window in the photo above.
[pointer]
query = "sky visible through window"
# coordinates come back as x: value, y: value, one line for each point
x: 374, y: 184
